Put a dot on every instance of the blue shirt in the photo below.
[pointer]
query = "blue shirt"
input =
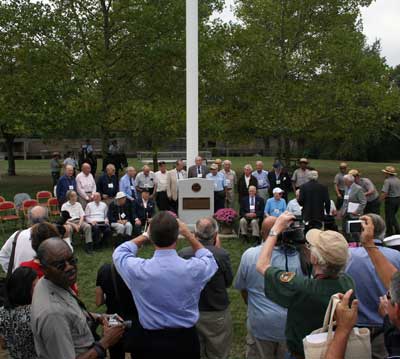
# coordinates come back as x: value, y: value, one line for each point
x: 262, y: 178
x: 219, y: 181
x: 266, y: 320
x: 128, y: 186
x: 275, y: 208
x: 166, y: 288
x: 65, y: 184
x: 368, y: 285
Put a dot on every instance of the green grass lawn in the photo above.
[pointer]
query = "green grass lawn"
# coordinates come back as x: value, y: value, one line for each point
x: 34, y: 175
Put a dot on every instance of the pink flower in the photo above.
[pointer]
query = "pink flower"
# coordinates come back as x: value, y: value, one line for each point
x: 226, y: 215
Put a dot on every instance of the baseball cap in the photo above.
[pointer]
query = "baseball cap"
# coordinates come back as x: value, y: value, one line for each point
x: 277, y: 164
x: 120, y: 195
x: 331, y: 245
x: 277, y: 190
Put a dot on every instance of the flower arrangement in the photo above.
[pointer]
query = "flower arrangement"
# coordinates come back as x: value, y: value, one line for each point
x: 226, y: 215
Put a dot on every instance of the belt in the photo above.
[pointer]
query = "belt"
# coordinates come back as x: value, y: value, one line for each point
x: 263, y: 188
x: 219, y: 191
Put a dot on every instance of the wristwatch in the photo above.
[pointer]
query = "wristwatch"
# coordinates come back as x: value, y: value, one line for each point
x: 101, y: 352
x: 272, y: 233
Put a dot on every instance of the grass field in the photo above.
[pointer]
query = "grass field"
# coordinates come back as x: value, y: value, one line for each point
x: 34, y: 175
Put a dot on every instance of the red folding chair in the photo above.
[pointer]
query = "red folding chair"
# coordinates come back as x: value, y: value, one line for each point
x: 2, y: 199
x: 8, y: 214
x: 42, y: 197
x: 52, y: 204
x: 27, y: 205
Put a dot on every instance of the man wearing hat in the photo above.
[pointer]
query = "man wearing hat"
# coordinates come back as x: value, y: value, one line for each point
x: 218, y: 162
x: 120, y: 215
x: 305, y: 298
x: 391, y: 196
x: 219, y: 186
x: 278, y: 177
x: 55, y: 166
x: 300, y: 176
x: 276, y: 205
x: 339, y: 185
x: 372, y: 195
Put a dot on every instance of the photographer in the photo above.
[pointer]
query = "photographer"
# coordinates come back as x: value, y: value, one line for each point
x: 305, y: 298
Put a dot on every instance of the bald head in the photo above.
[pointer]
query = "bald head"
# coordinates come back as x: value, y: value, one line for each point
x: 38, y: 214
x: 86, y: 168
x: 206, y: 229
x: 267, y: 224
x: 52, y: 248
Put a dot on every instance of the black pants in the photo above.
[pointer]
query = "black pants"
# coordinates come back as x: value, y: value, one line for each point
x: 219, y: 200
x: 97, y: 230
x: 173, y: 206
x: 339, y: 201
x: 392, y: 205
x: 170, y: 343
x: 373, y: 207
x: 55, y: 176
x: 162, y: 201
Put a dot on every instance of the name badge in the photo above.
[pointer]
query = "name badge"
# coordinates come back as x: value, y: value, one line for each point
x: 252, y: 208
x: 260, y: 182
x: 123, y: 215
x: 346, y: 197
x: 227, y: 182
x: 132, y: 188
x: 199, y: 175
x: 111, y: 185
x: 71, y: 187
x: 146, y: 185
x: 278, y: 181
x: 277, y: 211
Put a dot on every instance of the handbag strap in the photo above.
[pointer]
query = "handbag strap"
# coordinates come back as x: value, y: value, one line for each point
x: 12, y: 257
x: 329, y: 314
x: 114, y: 280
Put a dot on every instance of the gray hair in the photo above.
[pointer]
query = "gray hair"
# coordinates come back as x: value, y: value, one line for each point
x: 248, y: 167
x: 379, y: 226
x: 38, y: 214
x: 69, y: 194
x: 227, y: 162
x: 130, y: 168
x: 395, y: 288
x: 328, y: 269
x: 312, y: 175
x: 110, y: 166
x: 206, y: 228
x: 349, y: 178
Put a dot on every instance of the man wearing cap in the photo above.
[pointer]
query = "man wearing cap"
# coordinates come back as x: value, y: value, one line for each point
x: 230, y: 183
x: 219, y: 186
x: 276, y: 205
x: 198, y: 169
x: 391, y: 196
x: 245, y: 181
x: 160, y: 187
x: 120, y: 215
x: 339, y: 185
x: 145, y: 180
x: 55, y: 167
x: 251, y: 213
x: 218, y: 162
x: 372, y: 195
x: 300, y: 176
x: 305, y: 298
x: 278, y: 177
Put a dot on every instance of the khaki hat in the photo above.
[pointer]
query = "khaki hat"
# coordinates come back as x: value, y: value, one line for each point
x: 213, y: 167
x: 218, y: 161
x: 303, y: 160
x: 120, y: 195
x: 390, y: 170
x: 354, y: 172
x: 330, y: 244
x: 343, y: 164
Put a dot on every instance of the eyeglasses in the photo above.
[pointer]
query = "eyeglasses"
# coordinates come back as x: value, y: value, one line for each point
x: 61, y: 264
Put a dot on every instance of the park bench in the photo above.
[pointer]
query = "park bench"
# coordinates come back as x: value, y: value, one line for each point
x: 170, y: 157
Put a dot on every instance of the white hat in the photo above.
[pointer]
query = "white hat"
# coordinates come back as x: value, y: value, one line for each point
x: 278, y: 190
x: 392, y: 241
x: 120, y: 195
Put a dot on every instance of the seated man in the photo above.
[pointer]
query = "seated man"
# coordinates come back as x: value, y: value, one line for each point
x: 143, y: 211
x: 293, y: 205
x: 120, y: 215
x: 251, y: 212
x: 96, y: 216
x: 276, y: 205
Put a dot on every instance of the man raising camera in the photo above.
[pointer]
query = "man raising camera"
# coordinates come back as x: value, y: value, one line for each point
x: 305, y: 298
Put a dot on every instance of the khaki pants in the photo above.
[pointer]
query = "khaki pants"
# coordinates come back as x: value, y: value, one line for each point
x: 263, y: 193
x: 230, y: 198
x: 264, y: 349
x: 215, y: 334
x: 85, y: 228
x: 255, y: 227
x: 122, y: 228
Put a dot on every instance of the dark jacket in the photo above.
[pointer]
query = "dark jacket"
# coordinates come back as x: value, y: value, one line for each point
x: 103, y: 185
x: 245, y: 207
x: 214, y: 297
x: 116, y: 213
x: 143, y: 213
x: 193, y: 171
x: 283, y: 182
x: 63, y: 186
x: 314, y: 198
x: 243, y: 190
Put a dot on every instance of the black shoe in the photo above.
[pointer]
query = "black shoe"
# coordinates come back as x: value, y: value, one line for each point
x: 89, y: 248
x: 256, y: 239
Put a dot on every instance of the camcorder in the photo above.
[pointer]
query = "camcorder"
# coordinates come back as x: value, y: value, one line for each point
x: 114, y: 320
x: 294, y: 234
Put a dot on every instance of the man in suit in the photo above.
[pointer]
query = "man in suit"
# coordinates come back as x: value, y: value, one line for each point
x: 143, y: 211
x: 198, y: 170
x: 251, y: 212
x: 173, y: 177
x: 314, y: 198
x: 279, y: 178
x: 245, y: 181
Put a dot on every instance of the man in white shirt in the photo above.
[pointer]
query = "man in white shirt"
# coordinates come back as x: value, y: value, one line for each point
x: 293, y: 205
x: 173, y: 177
x: 23, y: 248
x: 160, y: 187
x: 230, y: 183
x: 96, y: 216
x: 85, y: 185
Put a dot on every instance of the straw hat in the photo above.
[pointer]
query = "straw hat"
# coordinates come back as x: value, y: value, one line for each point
x: 354, y: 172
x: 390, y: 170
x: 303, y: 160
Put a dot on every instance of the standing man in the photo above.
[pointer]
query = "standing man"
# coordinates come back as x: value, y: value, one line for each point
x: 107, y: 184
x: 85, y: 185
x: 391, y: 196
x: 168, y: 308
x: 262, y: 180
x: 339, y: 185
x: 160, y: 187
x: 145, y: 180
x: 354, y: 199
x: 251, y: 212
x: 173, y: 178
x: 215, y: 323
x: 65, y: 183
x: 279, y: 178
x: 300, y: 176
x: 230, y: 183
x: 219, y: 187
x: 55, y: 167
x: 372, y: 195
x: 218, y: 162
x: 127, y: 184
x: 198, y: 169
x: 314, y: 198
x: 245, y: 181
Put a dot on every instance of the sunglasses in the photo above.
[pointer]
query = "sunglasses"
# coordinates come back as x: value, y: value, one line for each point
x: 61, y: 264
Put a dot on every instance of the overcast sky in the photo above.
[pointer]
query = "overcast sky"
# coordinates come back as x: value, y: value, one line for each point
x: 381, y: 21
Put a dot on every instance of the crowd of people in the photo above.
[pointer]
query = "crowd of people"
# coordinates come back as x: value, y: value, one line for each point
x: 176, y: 303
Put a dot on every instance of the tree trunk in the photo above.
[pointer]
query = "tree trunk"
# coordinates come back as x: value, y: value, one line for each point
x: 155, y: 160
x: 267, y: 146
x: 287, y: 151
x: 10, y: 153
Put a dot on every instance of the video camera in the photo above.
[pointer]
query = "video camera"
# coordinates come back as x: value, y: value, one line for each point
x: 294, y: 235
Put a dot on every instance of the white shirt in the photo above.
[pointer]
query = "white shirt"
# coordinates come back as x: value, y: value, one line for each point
x: 74, y: 210
x: 96, y: 212
x: 294, y: 207
x: 161, y: 181
x: 23, y: 250
x: 85, y: 184
x: 180, y: 175
x: 247, y: 179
